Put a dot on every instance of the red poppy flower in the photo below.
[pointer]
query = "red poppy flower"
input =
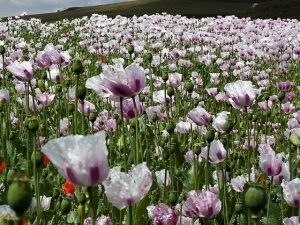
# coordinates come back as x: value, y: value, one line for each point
x: 68, y: 187
x: 23, y: 222
x: 46, y: 160
x: 2, y: 166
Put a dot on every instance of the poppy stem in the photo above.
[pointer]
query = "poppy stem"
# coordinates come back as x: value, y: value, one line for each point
x: 92, y: 205
x: 269, y: 201
x: 137, y: 149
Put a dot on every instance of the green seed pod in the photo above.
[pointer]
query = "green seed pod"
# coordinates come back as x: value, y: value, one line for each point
x: 2, y: 50
x: 39, y: 159
x: 92, y: 117
x: 154, y: 117
x: 210, y: 136
x: 255, y: 198
x: 77, y: 67
x: 172, y: 198
x: 81, y: 92
x: 281, y: 96
x: 188, y: 86
x: 170, y: 127
x: 170, y: 91
x: 165, y: 77
x: 41, y: 85
x: 130, y: 49
x: 65, y: 206
x: 19, y: 196
x: 33, y: 124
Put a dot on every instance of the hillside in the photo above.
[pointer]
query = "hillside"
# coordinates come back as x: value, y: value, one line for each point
x: 190, y: 8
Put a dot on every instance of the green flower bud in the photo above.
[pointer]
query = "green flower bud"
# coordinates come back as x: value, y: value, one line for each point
x: 255, y: 198
x: 33, y: 124
x: 92, y: 117
x: 38, y: 160
x: 165, y: 77
x: 281, y: 96
x: 170, y: 91
x: 81, y: 92
x: 41, y: 85
x: 2, y: 50
x: 130, y: 49
x: 19, y: 196
x: 188, y: 86
x: 170, y: 127
x: 210, y: 136
x: 77, y: 67
x: 80, y: 211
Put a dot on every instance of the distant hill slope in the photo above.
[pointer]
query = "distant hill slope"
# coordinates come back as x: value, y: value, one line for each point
x: 190, y: 8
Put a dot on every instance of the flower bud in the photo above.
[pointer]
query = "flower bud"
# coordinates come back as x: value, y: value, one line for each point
x: 77, y: 67
x: 19, y: 196
x: 255, y: 198
x: 2, y: 50
x: 81, y: 92
x: 189, y: 87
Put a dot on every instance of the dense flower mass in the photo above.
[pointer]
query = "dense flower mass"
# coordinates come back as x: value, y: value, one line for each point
x: 153, y: 119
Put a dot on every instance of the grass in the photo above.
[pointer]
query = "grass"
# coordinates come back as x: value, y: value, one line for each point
x: 189, y: 8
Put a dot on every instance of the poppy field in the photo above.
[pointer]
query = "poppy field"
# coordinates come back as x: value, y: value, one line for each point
x: 157, y: 119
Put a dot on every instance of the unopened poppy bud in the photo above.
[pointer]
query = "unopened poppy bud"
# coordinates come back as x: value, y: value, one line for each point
x: 281, y: 96
x: 41, y: 85
x: 165, y: 77
x: 189, y: 87
x: 92, y: 117
x: 19, y: 196
x: 172, y: 198
x: 130, y: 49
x: 77, y: 67
x: 170, y: 91
x: 39, y: 158
x: 33, y: 124
x: 170, y: 127
x: 210, y: 136
x: 65, y: 206
x: 81, y: 92
x: 2, y: 50
x: 255, y: 198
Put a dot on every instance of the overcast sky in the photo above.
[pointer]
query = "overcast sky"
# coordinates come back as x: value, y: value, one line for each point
x: 16, y: 7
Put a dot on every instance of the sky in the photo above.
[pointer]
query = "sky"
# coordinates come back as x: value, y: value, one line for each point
x: 16, y: 7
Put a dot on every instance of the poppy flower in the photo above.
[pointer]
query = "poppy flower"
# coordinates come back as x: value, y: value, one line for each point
x: 2, y: 166
x: 68, y: 187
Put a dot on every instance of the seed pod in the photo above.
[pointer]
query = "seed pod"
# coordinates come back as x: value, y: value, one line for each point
x: 130, y: 49
x: 81, y: 92
x: 255, y: 198
x: 77, y: 67
x: 2, y: 50
x: 33, y: 124
x: 188, y: 86
x: 170, y: 127
x: 19, y: 196
x: 170, y: 91
x: 39, y: 160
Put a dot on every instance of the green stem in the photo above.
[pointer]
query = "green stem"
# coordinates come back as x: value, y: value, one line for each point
x: 269, y: 200
x: 92, y: 205
x: 130, y: 216
x: 36, y: 179
x: 137, y: 149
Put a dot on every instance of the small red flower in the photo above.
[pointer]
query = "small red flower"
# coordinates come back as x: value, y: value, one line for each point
x: 23, y: 222
x: 68, y: 187
x: 2, y: 166
x: 46, y: 160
